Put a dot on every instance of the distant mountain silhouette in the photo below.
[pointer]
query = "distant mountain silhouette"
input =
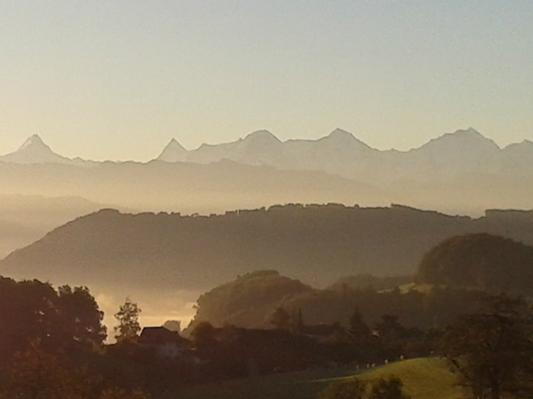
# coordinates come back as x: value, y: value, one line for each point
x: 24, y: 219
x: 460, y: 172
x: 36, y: 151
x: 317, y: 244
x: 185, y: 187
x: 440, y: 174
x: 464, y: 152
x: 173, y: 152
x: 461, y: 152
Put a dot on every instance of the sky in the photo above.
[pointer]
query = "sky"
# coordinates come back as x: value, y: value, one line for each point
x: 118, y: 79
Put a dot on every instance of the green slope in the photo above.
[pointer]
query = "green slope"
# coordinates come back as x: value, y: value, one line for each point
x: 423, y: 379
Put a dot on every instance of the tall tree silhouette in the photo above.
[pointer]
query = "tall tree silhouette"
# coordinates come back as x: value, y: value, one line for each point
x: 492, y: 350
x: 128, y: 319
x: 358, y: 329
x: 81, y: 318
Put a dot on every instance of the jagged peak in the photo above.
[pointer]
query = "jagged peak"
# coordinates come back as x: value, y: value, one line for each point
x: 173, y: 143
x: 173, y: 152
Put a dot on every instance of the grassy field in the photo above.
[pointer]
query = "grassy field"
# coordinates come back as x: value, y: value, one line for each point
x: 423, y: 379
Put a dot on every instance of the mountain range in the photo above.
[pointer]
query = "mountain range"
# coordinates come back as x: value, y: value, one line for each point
x: 317, y: 244
x: 464, y: 151
x: 460, y: 172
x: 341, y: 153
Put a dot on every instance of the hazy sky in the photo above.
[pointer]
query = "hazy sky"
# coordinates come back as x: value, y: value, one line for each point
x: 118, y: 79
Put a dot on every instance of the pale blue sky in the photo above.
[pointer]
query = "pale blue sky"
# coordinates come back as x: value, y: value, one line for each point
x: 118, y: 79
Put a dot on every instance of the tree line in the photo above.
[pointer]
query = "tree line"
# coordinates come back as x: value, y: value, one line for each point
x: 52, y: 346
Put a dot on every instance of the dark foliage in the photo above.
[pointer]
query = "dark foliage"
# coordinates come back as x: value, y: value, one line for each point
x: 315, y: 243
x: 390, y: 388
x: 492, y: 350
x: 251, y: 300
x: 33, y: 313
x: 351, y: 389
x: 480, y: 261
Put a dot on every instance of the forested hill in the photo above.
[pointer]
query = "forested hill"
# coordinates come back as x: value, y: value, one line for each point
x: 481, y: 261
x: 315, y: 243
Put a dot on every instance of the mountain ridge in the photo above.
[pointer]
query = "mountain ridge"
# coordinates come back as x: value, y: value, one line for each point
x: 315, y: 243
x: 441, y: 174
x: 338, y: 135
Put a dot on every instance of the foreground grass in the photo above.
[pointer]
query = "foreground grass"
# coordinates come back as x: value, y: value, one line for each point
x: 427, y: 378
x: 299, y: 385
x: 423, y: 378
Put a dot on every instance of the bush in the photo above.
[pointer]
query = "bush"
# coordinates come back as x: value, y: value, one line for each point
x: 391, y: 388
x: 346, y: 389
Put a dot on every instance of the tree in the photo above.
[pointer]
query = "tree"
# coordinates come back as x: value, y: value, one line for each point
x: 32, y: 312
x: 345, y: 389
x: 492, y: 350
x: 35, y: 374
x: 358, y: 329
x: 298, y: 322
x: 80, y: 317
x: 203, y: 334
x: 280, y: 319
x: 391, y: 335
x: 128, y: 319
x: 391, y: 388
x: 28, y: 313
x: 173, y: 325
x: 389, y: 326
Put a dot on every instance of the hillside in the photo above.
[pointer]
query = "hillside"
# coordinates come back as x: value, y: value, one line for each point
x: 482, y: 261
x: 248, y: 300
x: 368, y: 281
x: 316, y: 244
x: 25, y: 219
x: 423, y: 379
